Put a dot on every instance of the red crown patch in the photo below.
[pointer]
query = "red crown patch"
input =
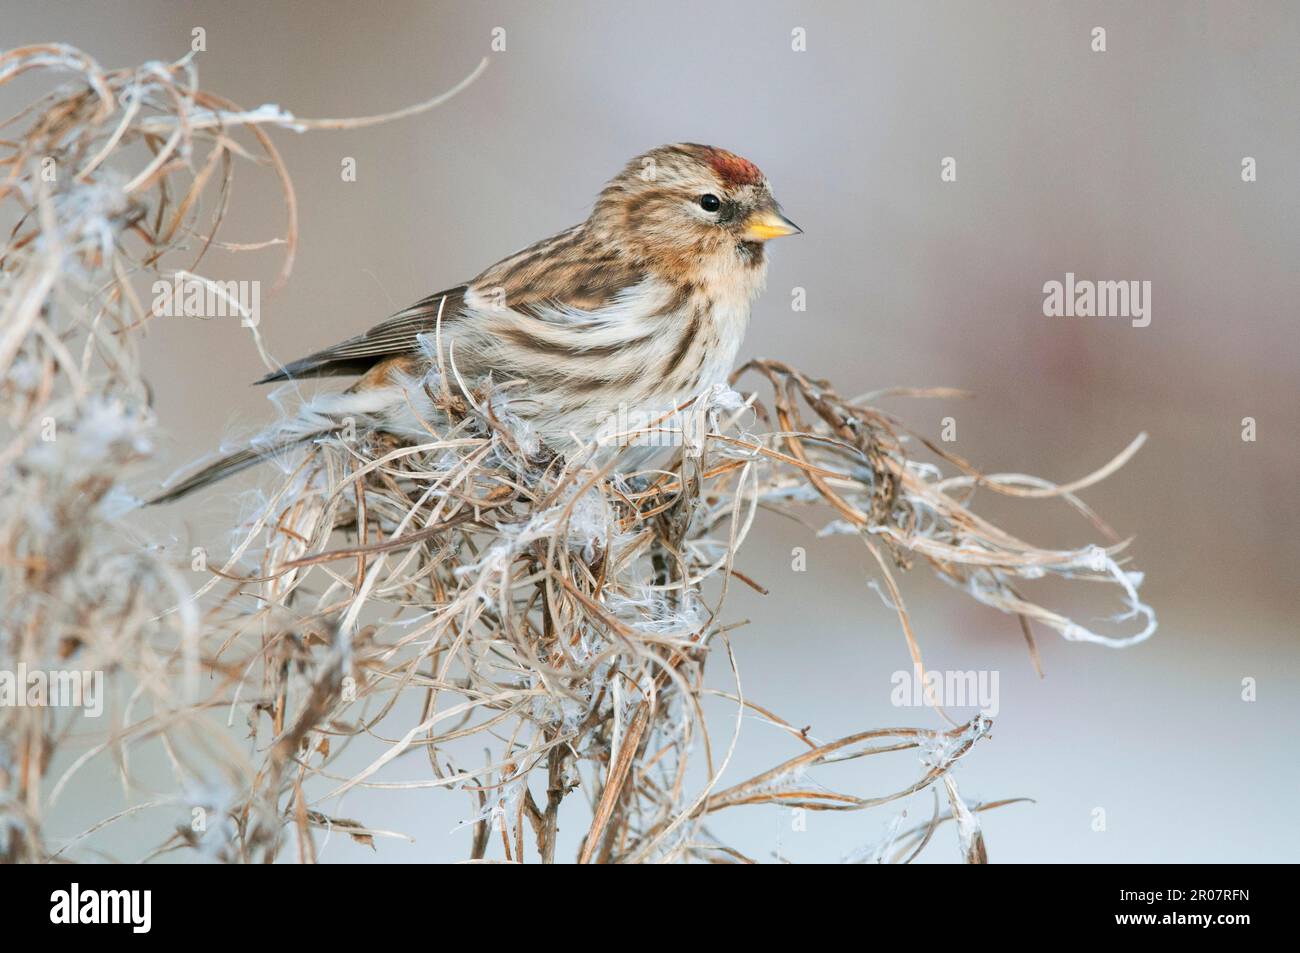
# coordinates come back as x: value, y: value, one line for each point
x: 733, y: 169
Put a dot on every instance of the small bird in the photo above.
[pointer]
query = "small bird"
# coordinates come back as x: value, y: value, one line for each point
x: 636, y: 310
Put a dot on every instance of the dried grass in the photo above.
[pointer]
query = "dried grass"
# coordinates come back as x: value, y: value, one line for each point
x: 551, y: 612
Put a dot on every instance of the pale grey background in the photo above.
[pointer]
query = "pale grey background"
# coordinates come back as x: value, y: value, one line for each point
x: 1122, y: 165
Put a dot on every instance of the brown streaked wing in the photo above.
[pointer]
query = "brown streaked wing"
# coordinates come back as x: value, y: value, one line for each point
x: 571, y: 270
x: 398, y: 335
x: 567, y: 270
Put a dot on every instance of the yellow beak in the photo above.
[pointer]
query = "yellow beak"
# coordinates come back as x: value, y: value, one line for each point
x: 768, y: 223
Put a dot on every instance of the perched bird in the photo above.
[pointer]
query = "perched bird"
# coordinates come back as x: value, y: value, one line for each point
x: 637, y: 309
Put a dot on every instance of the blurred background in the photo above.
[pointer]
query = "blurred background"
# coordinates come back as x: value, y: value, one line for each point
x: 1116, y: 165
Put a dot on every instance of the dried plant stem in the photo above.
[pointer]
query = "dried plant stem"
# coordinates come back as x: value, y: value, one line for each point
x: 548, y: 609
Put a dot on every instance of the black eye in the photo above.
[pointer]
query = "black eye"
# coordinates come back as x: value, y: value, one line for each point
x: 710, y: 202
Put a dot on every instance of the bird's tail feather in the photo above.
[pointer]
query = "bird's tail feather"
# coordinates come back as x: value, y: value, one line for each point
x: 231, y: 464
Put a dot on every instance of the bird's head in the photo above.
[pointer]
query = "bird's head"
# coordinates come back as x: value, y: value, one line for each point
x: 691, y: 200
